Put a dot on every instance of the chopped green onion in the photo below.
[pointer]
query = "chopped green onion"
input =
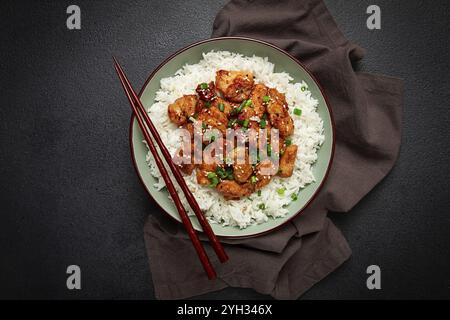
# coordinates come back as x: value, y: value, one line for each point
x: 259, y: 193
x: 213, y: 179
x: 221, y: 107
x: 245, y: 123
x: 253, y: 179
x: 214, y: 182
x: 266, y: 99
x: 224, y: 175
x: 236, y: 111
x: 303, y: 88
x: 269, y: 150
x: 231, y: 123
x: 288, y: 141
x: 262, y: 206
x: 212, y: 175
x: 239, y: 109
x: 241, y: 106
x: 229, y: 174
x: 221, y: 172
x: 203, y: 125
x: 263, y: 123
x: 297, y: 112
x: 281, y: 191
x: 208, y: 104
x: 204, y: 85
x: 294, y: 197
x: 248, y: 103
x: 212, y: 138
x: 264, y: 116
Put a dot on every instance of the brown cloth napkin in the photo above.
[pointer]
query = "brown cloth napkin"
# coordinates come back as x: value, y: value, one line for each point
x: 367, y: 112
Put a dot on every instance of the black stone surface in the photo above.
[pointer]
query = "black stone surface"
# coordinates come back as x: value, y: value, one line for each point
x: 69, y: 193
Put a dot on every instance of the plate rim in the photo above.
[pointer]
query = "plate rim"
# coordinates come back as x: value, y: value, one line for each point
x: 327, y: 104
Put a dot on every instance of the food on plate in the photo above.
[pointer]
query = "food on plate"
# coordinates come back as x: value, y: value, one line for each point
x: 212, y: 109
x: 183, y: 108
x: 225, y: 92
x: 234, y: 85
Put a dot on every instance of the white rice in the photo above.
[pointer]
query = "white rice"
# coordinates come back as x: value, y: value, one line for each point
x: 308, y: 135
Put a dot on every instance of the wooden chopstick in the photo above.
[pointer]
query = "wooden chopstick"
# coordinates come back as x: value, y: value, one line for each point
x: 170, y: 187
x: 176, y: 172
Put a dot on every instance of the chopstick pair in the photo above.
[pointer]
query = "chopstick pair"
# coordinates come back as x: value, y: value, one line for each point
x: 145, y: 123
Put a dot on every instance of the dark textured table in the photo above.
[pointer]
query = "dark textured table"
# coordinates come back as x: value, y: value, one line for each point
x: 69, y: 193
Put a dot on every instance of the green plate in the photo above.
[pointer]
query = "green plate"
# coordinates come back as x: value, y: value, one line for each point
x: 283, y: 62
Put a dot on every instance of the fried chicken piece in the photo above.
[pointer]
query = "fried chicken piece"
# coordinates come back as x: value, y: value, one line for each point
x: 219, y: 104
x: 234, y: 85
x: 216, y: 112
x: 202, y: 177
x: 277, y: 103
x: 222, y: 106
x: 213, y: 117
x: 242, y: 169
x: 205, y: 91
x: 287, y: 161
x: 265, y: 171
x: 209, y: 121
x: 232, y: 190
x: 247, y: 113
x: 209, y: 164
x: 279, y: 115
x: 200, y: 105
x: 285, y: 125
x: 183, y: 108
x: 187, y: 168
x: 257, y: 96
x: 202, y: 172
x: 254, y: 125
x: 254, y: 106
x: 185, y: 165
